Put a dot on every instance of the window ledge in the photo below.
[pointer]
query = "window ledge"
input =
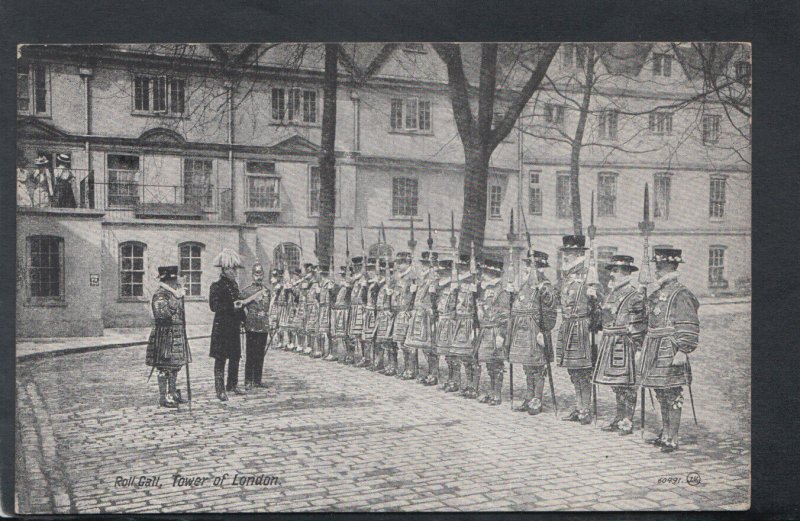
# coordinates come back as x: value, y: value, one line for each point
x: 31, y: 115
x: 195, y: 298
x: 159, y: 115
x: 275, y: 123
x: 132, y: 300
x: 412, y: 132
x: 45, y: 304
x: 498, y: 218
x: 716, y: 219
x: 718, y: 284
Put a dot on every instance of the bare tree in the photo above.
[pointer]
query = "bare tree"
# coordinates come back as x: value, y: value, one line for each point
x: 327, y: 160
x: 478, y: 136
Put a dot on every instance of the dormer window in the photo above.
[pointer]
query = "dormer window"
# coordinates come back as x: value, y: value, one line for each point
x: 662, y: 65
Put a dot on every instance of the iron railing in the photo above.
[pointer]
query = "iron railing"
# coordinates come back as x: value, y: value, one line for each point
x: 35, y: 190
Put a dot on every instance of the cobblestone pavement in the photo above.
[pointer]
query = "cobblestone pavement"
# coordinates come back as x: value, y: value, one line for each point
x: 341, y: 438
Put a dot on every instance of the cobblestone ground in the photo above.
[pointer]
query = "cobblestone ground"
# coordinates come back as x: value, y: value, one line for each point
x: 341, y: 438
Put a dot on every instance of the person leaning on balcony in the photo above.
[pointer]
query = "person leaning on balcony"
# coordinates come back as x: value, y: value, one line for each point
x: 64, y: 181
x: 25, y: 184
x: 228, y: 316
x: 43, y: 191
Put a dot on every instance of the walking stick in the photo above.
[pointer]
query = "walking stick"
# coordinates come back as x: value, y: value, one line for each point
x: 511, y: 382
x: 188, y: 355
x: 592, y: 279
x: 151, y: 373
x: 646, y: 226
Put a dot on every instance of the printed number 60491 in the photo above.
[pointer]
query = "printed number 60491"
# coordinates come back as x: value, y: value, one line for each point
x: 671, y: 480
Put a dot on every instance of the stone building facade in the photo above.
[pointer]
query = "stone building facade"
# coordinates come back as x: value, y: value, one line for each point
x: 176, y: 156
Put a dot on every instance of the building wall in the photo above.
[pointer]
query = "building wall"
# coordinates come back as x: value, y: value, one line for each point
x: 162, y: 242
x: 80, y: 312
x: 370, y: 155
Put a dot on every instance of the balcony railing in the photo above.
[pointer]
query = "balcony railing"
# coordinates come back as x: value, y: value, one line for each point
x: 49, y: 189
x: 141, y: 199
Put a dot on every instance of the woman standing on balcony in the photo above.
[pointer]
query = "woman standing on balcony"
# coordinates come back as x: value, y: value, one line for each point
x: 43, y: 193
x: 64, y: 192
x: 25, y: 184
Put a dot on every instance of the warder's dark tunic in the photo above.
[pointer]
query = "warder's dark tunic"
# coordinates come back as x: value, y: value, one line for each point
x: 446, y: 317
x: 167, y: 346
x: 421, y: 324
x: 623, y: 308
x: 463, y: 342
x: 672, y: 325
x: 574, y: 348
x: 341, y: 311
x: 385, y: 317
x: 533, y: 312
x: 325, y: 297
x: 402, y: 300
x: 493, y: 310
x: 225, y: 342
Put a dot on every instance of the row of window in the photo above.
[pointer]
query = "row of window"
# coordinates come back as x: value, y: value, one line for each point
x: 575, y: 55
x: 166, y: 95
x: 607, y: 196
x: 659, y: 123
x: 45, y: 274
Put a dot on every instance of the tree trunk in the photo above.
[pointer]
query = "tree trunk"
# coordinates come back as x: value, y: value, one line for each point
x: 473, y: 217
x: 327, y: 161
x: 577, y: 145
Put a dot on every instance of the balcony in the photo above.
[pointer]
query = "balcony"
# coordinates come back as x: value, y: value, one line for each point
x: 125, y: 199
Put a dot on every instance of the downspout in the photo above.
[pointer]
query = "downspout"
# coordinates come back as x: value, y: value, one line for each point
x: 230, y: 152
x: 86, y: 74
x: 521, y: 177
x: 356, y: 121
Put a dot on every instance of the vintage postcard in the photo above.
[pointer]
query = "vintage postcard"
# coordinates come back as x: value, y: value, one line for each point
x: 370, y: 277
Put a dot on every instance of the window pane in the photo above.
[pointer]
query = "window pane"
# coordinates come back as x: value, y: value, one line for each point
x: 197, y: 182
x: 396, y: 118
x: 495, y: 200
x: 424, y: 115
x: 404, y: 196
x: 563, y: 201
x: 176, y: 96
x: 160, y: 94
x: 294, y: 104
x: 661, y: 196
x: 411, y: 113
x: 607, y: 195
x: 263, y: 193
x: 287, y: 256
x: 23, y: 89
x: 278, y: 104
x: 309, y: 106
x: 44, y: 275
x: 313, y: 191
x: 40, y: 88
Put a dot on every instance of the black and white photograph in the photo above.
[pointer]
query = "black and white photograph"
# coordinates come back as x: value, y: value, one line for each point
x: 383, y: 277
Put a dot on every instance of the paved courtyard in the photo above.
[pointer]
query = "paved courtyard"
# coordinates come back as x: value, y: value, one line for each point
x: 331, y: 437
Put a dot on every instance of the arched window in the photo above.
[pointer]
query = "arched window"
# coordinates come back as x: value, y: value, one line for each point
x: 131, y: 269
x: 286, y: 256
x: 191, y: 266
x: 381, y: 249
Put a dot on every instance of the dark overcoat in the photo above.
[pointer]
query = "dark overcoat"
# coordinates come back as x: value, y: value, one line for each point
x: 225, y: 340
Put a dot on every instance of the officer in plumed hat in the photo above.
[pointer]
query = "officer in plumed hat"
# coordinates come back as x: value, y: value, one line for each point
x: 167, y: 346
x: 624, y: 325
x: 224, y: 301
x: 673, y: 331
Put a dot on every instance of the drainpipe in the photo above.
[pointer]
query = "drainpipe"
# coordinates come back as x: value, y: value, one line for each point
x: 230, y: 151
x: 356, y: 120
x: 86, y: 74
x: 521, y: 176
